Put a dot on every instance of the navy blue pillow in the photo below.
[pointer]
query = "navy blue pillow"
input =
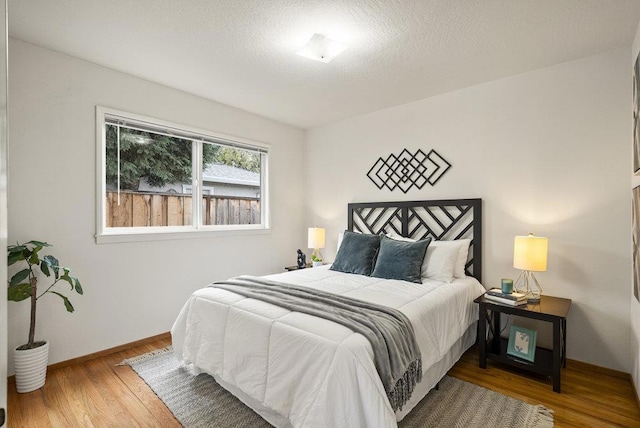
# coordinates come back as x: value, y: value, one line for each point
x: 400, y: 260
x: 356, y: 253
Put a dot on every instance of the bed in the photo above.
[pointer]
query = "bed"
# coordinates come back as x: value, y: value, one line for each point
x: 295, y: 369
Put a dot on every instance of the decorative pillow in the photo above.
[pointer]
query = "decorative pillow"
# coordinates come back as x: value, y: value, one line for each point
x: 440, y: 261
x: 357, y: 253
x: 341, y: 237
x: 400, y: 259
x: 446, y: 264
x: 463, y: 255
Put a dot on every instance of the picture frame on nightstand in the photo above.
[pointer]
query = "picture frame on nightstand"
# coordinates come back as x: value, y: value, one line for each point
x: 522, y: 343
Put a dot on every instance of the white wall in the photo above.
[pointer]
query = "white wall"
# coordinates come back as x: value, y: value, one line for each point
x: 548, y: 151
x: 132, y: 290
x: 635, y: 305
x: 3, y: 205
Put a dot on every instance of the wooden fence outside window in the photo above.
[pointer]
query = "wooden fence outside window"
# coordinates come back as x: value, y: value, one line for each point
x: 171, y: 209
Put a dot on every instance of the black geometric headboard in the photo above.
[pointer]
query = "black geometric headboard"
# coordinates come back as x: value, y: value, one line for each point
x: 443, y: 220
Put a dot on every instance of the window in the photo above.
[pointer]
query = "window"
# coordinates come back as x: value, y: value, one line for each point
x: 157, y: 179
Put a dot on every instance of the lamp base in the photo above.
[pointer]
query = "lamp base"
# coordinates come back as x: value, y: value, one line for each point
x: 316, y: 255
x: 528, y: 285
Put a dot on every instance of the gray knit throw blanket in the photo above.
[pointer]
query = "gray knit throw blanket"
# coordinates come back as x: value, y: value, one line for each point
x: 396, y: 354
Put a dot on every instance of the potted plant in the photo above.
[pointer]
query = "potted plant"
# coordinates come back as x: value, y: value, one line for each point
x: 31, y: 358
x: 316, y: 260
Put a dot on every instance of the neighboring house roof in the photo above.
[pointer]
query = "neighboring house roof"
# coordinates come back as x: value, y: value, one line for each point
x: 230, y: 175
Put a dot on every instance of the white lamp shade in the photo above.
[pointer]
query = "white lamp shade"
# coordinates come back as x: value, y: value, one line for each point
x: 530, y: 253
x: 315, y: 237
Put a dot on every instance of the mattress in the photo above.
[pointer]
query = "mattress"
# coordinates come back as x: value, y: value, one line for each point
x: 299, y: 370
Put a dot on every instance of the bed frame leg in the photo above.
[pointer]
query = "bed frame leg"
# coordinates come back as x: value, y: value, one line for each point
x: 437, y: 386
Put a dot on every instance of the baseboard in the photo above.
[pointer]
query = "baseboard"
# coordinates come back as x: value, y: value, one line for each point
x: 607, y: 372
x: 103, y: 353
x: 635, y: 390
x: 599, y: 369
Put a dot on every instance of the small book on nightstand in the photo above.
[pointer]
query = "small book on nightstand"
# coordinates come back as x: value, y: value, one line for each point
x: 511, y: 296
x: 513, y: 299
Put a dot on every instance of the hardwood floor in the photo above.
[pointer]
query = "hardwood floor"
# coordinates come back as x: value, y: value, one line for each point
x: 97, y: 392
x: 591, y: 396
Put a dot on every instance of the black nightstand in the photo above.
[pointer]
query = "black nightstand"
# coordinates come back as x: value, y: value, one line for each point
x: 295, y: 267
x: 546, y: 362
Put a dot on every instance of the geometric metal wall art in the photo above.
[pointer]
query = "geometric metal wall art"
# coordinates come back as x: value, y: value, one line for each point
x: 408, y: 169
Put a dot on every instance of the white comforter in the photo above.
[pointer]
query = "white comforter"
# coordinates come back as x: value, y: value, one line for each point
x: 307, y: 371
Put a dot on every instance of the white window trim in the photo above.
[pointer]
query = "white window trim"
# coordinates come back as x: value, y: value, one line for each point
x: 197, y: 230
x: 188, y: 188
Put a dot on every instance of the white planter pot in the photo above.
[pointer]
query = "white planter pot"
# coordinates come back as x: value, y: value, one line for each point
x: 31, y: 367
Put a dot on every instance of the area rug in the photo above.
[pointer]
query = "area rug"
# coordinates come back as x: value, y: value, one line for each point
x: 198, y: 401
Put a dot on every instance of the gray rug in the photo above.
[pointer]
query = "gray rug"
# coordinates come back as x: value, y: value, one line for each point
x: 198, y: 401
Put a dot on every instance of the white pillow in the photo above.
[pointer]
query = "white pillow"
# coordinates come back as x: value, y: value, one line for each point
x: 462, y: 257
x: 397, y: 237
x: 440, y: 261
x: 340, y: 238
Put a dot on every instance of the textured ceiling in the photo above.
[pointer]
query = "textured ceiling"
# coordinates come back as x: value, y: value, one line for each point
x: 242, y: 52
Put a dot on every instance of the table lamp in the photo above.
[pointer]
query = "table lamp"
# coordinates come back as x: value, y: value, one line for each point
x: 530, y: 255
x: 316, y: 241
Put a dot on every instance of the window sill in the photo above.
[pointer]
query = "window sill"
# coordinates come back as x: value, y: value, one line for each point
x: 155, y: 235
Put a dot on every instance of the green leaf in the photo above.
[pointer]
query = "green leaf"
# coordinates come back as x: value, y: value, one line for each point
x: 51, y: 261
x: 19, y: 292
x: 34, y: 259
x: 67, y: 303
x: 19, y: 277
x: 38, y: 244
x: 78, y: 287
x: 66, y: 277
x: 26, y: 253
x: 17, y: 252
x: 44, y: 267
x: 53, y: 264
x: 13, y: 257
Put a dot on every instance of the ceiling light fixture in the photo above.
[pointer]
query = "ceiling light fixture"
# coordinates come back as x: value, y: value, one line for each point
x: 321, y: 48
